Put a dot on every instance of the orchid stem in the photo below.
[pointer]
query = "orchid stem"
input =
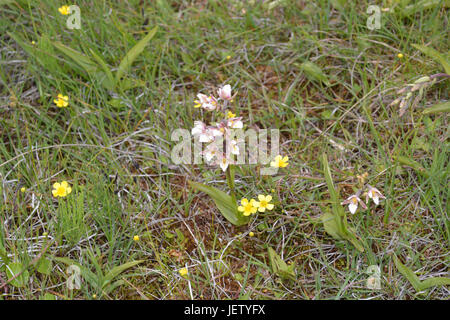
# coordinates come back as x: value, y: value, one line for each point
x: 230, y: 181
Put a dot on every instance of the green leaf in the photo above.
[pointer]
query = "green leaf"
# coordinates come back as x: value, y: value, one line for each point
x: 3, y: 255
x: 413, y: 164
x: 114, y: 272
x: 42, y: 51
x: 436, y: 55
x: 107, y: 78
x: 224, y: 203
x: 280, y: 267
x: 134, y: 53
x: 424, y: 5
x: 440, y: 107
x: 313, y: 71
x: 414, y: 280
x: 15, y: 268
x: 330, y: 225
x: 82, y: 60
x: 48, y: 296
x: 44, y: 266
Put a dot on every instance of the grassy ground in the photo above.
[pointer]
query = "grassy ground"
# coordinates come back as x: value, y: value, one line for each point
x: 113, y: 147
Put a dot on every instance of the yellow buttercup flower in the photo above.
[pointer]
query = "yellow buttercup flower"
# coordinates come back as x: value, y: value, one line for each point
x: 61, y: 189
x: 400, y: 55
x: 279, y: 162
x: 64, y: 10
x: 22, y: 189
x: 183, y: 272
x: 263, y: 203
x: 231, y: 115
x: 136, y: 238
x: 247, y: 207
x: 62, y: 101
x: 228, y: 57
x: 251, y: 234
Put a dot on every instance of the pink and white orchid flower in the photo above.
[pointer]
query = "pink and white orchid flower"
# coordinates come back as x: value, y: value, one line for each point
x: 225, y: 92
x: 353, y: 202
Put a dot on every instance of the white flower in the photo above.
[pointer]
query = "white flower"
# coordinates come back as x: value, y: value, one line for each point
x: 225, y: 92
x: 234, y: 147
x: 223, y: 163
x: 206, y: 102
x: 202, y: 131
x: 353, y: 202
x: 215, y: 132
x: 235, y: 123
x: 210, y: 151
x: 374, y: 194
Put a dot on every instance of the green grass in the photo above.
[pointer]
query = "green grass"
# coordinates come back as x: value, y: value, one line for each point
x: 113, y: 147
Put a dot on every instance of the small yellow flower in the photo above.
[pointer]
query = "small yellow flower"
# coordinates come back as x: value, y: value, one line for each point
x: 61, y: 189
x: 231, y: 115
x: 33, y: 42
x: 400, y: 55
x: 247, y: 207
x: 228, y: 57
x: 22, y: 189
x: 197, y: 104
x: 272, y: 190
x: 263, y: 203
x: 64, y: 10
x: 251, y: 234
x: 183, y: 272
x: 136, y: 238
x: 279, y: 162
x: 62, y: 101
x: 94, y: 296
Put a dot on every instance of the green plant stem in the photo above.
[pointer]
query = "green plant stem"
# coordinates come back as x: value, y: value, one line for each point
x: 230, y: 181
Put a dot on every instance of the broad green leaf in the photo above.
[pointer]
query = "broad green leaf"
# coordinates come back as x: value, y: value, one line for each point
x: 440, y: 107
x: 436, y: 55
x: 424, y: 5
x: 134, y: 53
x: 329, y: 223
x: 313, y: 71
x: 15, y: 268
x: 130, y: 83
x: 48, y: 296
x: 414, y: 280
x: 82, y: 60
x: 280, y: 267
x: 413, y: 164
x: 44, y: 266
x: 114, y: 272
x: 108, y: 81
x: 41, y: 51
x: 224, y: 203
x: 3, y: 255
x: 103, y: 79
